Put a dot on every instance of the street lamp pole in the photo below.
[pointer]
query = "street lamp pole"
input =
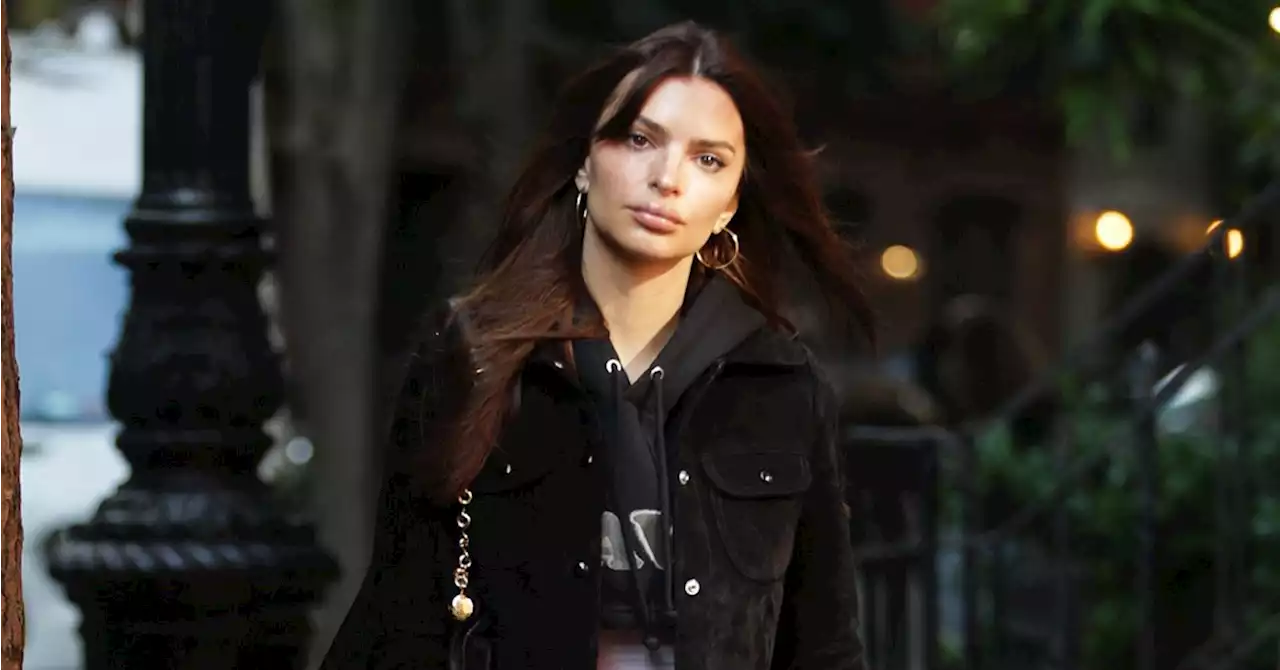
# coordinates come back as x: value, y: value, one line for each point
x: 191, y: 563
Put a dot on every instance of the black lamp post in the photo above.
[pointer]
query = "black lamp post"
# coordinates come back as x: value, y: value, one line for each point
x: 191, y: 564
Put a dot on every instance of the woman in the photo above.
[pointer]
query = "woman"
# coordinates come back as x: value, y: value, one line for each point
x: 620, y: 383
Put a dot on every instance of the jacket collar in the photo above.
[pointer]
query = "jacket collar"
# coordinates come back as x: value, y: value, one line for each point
x: 770, y: 347
x: 708, y: 301
x: 766, y: 347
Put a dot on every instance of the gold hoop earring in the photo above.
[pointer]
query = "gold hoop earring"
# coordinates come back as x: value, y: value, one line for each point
x: 581, y: 205
x: 733, y: 238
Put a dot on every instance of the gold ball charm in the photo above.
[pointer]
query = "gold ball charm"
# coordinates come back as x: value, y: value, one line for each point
x: 462, y: 607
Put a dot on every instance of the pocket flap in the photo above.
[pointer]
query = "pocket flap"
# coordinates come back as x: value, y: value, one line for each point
x: 758, y: 475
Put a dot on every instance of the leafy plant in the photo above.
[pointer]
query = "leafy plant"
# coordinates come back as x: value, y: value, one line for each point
x: 1098, y: 59
x: 1104, y: 513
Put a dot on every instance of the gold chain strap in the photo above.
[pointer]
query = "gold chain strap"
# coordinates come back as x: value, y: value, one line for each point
x: 462, y: 606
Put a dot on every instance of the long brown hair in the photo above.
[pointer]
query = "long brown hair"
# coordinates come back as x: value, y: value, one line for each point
x: 530, y: 278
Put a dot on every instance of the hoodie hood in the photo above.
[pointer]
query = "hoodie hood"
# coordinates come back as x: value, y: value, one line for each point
x: 715, y: 322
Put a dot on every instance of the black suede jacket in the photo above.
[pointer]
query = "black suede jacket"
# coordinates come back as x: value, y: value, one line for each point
x: 763, y: 565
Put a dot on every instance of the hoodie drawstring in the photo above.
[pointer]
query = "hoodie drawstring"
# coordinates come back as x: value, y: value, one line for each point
x: 664, y: 487
x: 651, y: 640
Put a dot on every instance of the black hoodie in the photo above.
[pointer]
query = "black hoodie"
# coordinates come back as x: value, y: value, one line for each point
x: 639, y: 427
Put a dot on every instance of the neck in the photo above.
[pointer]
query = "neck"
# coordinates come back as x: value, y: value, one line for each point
x: 640, y: 302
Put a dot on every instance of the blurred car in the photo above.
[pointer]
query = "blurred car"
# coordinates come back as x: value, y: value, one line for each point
x: 68, y: 297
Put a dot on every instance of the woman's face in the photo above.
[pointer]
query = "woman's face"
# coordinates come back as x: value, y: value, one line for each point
x: 659, y: 194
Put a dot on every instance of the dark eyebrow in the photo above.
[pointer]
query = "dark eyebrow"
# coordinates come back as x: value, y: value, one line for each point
x: 657, y: 129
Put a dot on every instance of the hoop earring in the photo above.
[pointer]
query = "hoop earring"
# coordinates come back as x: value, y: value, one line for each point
x: 581, y: 205
x: 732, y: 238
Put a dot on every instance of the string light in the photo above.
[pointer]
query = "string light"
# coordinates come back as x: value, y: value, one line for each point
x: 1234, y: 239
x: 900, y: 262
x: 1113, y: 230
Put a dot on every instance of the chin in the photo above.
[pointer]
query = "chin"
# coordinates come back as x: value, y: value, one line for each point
x: 643, y: 247
x: 652, y: 247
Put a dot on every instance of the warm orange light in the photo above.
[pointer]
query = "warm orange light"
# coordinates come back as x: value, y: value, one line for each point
x: 1235, y: 243
x: 900, y: 262
x: 1235, y: 239
x: 1113, y: 230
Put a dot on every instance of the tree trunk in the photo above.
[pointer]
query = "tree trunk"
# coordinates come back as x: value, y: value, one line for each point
x: 12, y: 615
x: 492, y: 51
x: 333, y: 102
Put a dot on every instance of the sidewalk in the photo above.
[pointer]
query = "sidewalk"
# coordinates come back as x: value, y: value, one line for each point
x: 66, y: 472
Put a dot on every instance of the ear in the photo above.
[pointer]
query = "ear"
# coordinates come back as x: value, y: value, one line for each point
x: 725, y: 217
x: 583, y: 179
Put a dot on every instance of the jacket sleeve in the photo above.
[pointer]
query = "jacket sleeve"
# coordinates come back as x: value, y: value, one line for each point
x: 399, y: 618
x: 818, y: 624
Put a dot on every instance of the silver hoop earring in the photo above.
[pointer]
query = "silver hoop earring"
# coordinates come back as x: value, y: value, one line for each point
x: 581, y: 205
x: 733, y: 238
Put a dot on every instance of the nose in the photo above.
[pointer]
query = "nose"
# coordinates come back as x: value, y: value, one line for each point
x: 666, y: 172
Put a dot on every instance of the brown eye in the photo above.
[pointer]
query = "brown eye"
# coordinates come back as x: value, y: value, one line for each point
x: 710, y: 161
x: 637, y: 140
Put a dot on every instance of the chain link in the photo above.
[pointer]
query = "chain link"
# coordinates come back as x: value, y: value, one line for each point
x: 462, y: 605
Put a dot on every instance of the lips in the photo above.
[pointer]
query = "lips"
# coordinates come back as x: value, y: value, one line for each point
x: 656, y: 220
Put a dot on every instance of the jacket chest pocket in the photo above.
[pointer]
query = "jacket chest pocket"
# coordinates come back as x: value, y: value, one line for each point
x: 756, y: 499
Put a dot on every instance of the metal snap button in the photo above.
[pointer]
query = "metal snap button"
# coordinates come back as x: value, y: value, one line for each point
x: 692, y: 587
x: 581, y: 569
x: 507, y: 470
x: 766, y: 476
x: 683, y: 477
